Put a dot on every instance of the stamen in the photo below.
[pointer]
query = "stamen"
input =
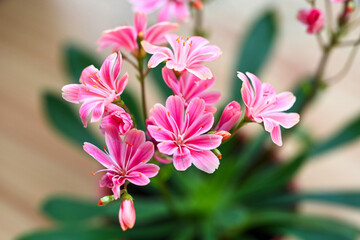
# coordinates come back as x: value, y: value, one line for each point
x: 92, y: 173
x: 104, y: 148
x: 183, y: 44
x: 190, y: 43
x: 129, y: 144
x: 159, y: 129
x: 168, y: 114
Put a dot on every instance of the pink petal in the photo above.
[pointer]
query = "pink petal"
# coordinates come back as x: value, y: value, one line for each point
x: 204, y: 142
x: 283, y: 102
x: 110, y: 70
x: 138, y: 178
x: 182, y: 159
x: 116, y: 191
x: 200, y: 71
x: 162, y: 159
x: 159, y: 134
x: 210, y: 97
x: 205, y: 54
x: 132, y: 141
x: 156, y: 59
x: 276, y: 135
x: 88, y: 75
x: 166, y: 12
x: 150, y: 170
x: 195, y: 107
x: 140, y: 22
x: 98, y: 112
x: 123, y: 37
x: 302, y: 15
x: 167, y: 147
x: 152, y: 49
x: 71, y: 92
x: 287, y: 120
x: 122, y: 83
x: 256, y: 84
x: 229, y: 117
x: 182, y: 12
x: 205, y: 161
x: 201, y: 125
x: 114, y: 143
x: 99, y: 155
x: 86, y: 109
x: 175, y: 105
x: 160, y: 115
x: 171, y: 80
x: 247, y: 92
x: 155, y: 34
x: 143, y: 154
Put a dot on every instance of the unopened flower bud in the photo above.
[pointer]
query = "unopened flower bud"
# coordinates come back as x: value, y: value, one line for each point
x: 198, y: 4
x: 225, y: 134
x: 229, y: 117
x: 217, y: 153
x: 105, y: 200
x: 127, y: 215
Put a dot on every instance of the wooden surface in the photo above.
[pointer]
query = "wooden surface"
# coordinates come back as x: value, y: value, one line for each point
x: 36, y: 162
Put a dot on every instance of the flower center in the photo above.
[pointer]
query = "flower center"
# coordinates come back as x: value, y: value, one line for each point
x: 180, y: 140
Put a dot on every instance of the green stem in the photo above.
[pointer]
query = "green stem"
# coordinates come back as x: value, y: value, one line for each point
x: 141, y: 77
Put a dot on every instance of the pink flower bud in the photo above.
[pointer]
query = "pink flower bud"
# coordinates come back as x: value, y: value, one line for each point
x: 225, y: 134
x: 313, y: 18
x: 127, y: 214
x: 198, y: 4
x: 229, y: 117
x: 117, y: 118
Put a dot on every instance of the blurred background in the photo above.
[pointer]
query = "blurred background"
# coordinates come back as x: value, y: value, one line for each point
x: 37, y: 162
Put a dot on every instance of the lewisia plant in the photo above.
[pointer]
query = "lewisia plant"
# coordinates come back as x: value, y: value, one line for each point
x: 190, y: 139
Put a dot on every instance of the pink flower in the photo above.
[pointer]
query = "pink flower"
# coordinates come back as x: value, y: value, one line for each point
x: 313, y: 18
x: 127, y: 159
x: 181, y: 133
x: 189, y: 86
x: 116, y: 117
x: 97, y: 88
x: 126, y: 37
x: 187, y: 55
x: 264, y: 105
x: 229, y: 117
x: 127, y: 215
x: 178, y: 9
x: 338, y: 0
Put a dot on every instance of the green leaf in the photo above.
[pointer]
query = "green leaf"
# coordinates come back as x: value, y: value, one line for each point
x: 347, y: 198
x: 270, y: 180
x: 69, y: 209
x: 349, y: 133
x: 157, y: 231
x: 276, y: 219
x: 157, y: 79
x: 256, y: 47
x: 310, y: 234
x: 76, y: 59
x: 63, y: 118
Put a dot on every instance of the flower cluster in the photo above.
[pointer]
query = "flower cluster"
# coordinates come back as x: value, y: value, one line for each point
x: 183, y: 130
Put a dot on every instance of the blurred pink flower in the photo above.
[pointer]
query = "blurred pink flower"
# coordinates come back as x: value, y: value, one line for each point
x: 338, y: 0
x: 181, y: 133
x: 189, y: 86
x: 127, y: 159
x: 116, y: 117
x: 179, y: 9
x: 97, y: 88
x: 264, y: 105
x: 187, y: 55
x: 229, y: 117
x: 313, y: 18
x: 127, y: 215
x: 126, y: 37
